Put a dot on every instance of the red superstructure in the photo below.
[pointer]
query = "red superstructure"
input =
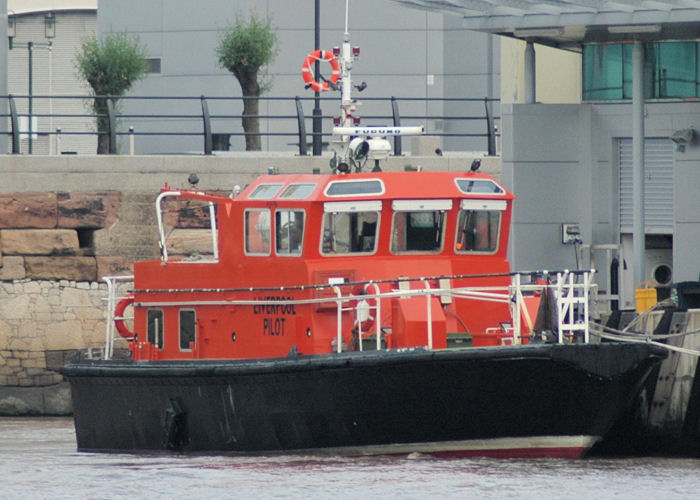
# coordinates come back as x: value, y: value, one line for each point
x: 288, y: 245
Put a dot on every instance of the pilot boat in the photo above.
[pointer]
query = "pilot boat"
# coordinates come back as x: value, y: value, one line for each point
x: 365, y: 312
x: 370, y: 313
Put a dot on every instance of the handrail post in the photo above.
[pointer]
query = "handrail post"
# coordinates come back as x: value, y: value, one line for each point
x: 397, y: 123
x: 109, y: 323
x: 339, y: 320
x: 14, y: 124
x: 490, y: 132
x: 378, y: 314
x: 207, y: 127
x: 429, y: 315
x: 517, y: 303
x: 112, y: 127
x: 301, y: 127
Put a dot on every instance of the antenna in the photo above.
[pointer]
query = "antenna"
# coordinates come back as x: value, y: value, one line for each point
x: 347, y: 10
x: 354, y: 144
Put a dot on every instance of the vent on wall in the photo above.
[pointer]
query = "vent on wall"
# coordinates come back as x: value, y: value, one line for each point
x: 153, y: 65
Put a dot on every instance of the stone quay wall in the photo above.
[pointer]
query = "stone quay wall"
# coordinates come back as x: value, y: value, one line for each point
x: 67, y: 221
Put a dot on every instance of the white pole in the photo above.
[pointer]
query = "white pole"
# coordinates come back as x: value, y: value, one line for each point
x: 638, y: 247
x: 429, y: 315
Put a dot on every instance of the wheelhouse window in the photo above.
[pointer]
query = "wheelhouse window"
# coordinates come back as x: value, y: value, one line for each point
x: 265, y: 191
x: 154, y: 329
x: 362, y: 187
x: 478, y: 226
x: 257, y: 232
x: 418, y: 225
x: 350, y: 227
x: 480, y: 186
x: 289, y: 234
x: 187, y: 326
x: 298, y: 191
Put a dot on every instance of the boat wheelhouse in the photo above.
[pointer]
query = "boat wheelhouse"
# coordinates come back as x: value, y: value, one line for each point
x: 287, y: 245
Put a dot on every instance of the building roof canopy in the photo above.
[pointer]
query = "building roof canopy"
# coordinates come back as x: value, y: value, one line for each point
x: 571, y: 23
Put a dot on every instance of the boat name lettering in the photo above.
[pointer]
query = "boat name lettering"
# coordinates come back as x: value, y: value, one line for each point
x: 273, y: 326
x: 276, y: 309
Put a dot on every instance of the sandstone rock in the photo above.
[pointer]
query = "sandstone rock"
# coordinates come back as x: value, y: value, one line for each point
x: 88, y: 209
x: 15, y: 307
x: 184, y: 214
x: 28, y: 210
x: 65, y: 335
x: 14, y: 406
x: 55, y: 268
x: 39, y: 241
x: 190, y: 241
x: 112, y: 266
x: 12, y: 268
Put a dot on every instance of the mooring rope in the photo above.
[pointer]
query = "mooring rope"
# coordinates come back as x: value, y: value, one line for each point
x: 598, y: 331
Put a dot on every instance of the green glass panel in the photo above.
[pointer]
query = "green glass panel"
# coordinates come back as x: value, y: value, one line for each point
x: 675, y: 72
x: 602, y: 72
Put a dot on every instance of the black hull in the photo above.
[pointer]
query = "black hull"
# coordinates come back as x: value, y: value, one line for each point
x: 506, y: 401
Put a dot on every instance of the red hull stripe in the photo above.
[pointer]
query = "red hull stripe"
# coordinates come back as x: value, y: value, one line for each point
x: 515, y: 447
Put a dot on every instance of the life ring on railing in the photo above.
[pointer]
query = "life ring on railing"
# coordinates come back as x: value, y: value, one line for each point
x: 307, y: 73
x: 119, y: 317
x: 363, y: 311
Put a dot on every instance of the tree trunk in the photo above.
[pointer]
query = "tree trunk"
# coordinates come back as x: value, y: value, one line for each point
x: 100, y: 109
x: 251, y: 124
x: 103, y: 143
x: 250, y: 120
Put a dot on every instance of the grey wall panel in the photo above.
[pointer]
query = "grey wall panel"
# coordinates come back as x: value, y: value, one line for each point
x: 546, y: 133
x: 686, y: 264
x: 686, y: 192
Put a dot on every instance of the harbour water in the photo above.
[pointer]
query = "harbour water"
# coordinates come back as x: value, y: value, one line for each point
x: 38, y: 459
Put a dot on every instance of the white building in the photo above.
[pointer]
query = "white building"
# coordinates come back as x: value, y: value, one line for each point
x: 55, y: 30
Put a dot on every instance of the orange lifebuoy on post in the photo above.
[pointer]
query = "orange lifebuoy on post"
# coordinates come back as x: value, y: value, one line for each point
x: 119, y: 317
x: 307, y: 73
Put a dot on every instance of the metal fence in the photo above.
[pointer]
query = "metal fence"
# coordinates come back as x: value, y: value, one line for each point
x: 210, y: 120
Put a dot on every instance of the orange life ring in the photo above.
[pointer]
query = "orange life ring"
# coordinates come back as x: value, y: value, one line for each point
x: 119, y: 317
x: 307, y: 73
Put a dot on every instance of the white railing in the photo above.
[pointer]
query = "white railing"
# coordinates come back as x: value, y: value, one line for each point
x: 570, y: 291
x: 115, y: 293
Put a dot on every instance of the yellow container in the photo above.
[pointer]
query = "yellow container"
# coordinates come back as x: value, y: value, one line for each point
x: 646, y: 298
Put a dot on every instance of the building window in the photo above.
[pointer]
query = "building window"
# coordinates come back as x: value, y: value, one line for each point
x: 675, y: 69
x: 671, y: 67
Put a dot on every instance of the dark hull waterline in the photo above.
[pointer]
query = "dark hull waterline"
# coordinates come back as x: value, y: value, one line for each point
x: 537, y: 400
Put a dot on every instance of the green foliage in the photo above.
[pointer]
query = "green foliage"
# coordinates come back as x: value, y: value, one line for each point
x: 111, y: 65
x: 245, y: 47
